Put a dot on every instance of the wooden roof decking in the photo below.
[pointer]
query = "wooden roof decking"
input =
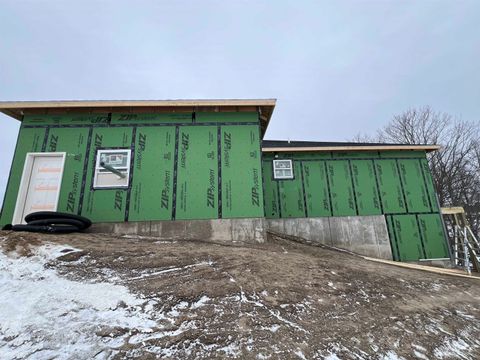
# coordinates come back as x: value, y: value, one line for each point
x: 17, y: 109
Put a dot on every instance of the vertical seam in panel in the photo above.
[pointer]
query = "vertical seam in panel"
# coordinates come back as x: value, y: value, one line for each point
x: 130, y: 176
x: 303, y: 191
x: 279, y: 200
x: 401, y: 186
x: 421, y: 236
x: 219, y: 174
x: 175, y: 170
x: 328, y: 188
x: 425, y: 184
x: 263, y: 188
x: 396, y: 239
x: 392, y: 237
x: 45, y: 138
x: 379, y: 193
x: 261, y: 168
x: 353, y: 186
x: 85, y: 167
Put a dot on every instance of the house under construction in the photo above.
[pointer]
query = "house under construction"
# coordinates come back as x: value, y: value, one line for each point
x: 198, y: 169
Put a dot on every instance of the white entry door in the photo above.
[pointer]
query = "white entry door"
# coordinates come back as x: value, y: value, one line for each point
x: 40, y: 185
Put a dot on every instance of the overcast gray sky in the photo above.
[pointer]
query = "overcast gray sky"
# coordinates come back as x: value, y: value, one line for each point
x: 336, y: 67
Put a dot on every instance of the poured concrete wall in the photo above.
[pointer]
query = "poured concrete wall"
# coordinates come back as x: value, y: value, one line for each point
x: 248, y: 230
x: 364, y: 235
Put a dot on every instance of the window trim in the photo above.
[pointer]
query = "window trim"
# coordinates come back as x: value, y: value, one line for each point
x: 97, y: 168
x: 275, y: 177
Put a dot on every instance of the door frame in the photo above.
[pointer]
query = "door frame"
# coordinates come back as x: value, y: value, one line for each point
x: 25, y: 182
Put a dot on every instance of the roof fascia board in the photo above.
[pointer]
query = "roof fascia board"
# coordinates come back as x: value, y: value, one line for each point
x: 352, y: 148
x: 11, y: 105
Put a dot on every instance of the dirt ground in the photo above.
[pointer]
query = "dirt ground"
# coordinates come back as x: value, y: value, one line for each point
x: 279, y: 300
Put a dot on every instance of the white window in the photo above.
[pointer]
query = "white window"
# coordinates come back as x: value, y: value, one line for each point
x: 282, y: 169
x: 112, y: 168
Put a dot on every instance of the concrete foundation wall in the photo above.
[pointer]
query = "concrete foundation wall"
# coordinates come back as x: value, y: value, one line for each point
x: 364, y: 235
x: 248, y: 230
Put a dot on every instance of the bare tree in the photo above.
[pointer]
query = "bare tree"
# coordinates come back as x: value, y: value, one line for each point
x: 456, y: 166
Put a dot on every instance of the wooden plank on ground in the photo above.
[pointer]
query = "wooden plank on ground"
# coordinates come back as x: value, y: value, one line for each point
x: 451, y: 272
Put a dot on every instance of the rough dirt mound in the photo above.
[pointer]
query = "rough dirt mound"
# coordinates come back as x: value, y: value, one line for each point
x: 277, y: 300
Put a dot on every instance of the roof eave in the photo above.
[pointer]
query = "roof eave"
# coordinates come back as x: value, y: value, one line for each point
x: 426, y: 148
x: 17, y: 109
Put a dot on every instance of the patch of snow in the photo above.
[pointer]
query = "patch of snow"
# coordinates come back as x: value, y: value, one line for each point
x: 141, y: 338
x: 203, y: 300
x: 452, y: 348
x: 299, y: 353
x: 260, y: 356
x: 465, y: 315
x: 390, y: 355
x: 276, y: 314
x: 174, y: 310
x: 53, y: 317
x: 230, y: 350
x: 437, y: 287
x: 274, y: 328
x: 331, y: 357
x: 168, y: 270
x: 420, y: 355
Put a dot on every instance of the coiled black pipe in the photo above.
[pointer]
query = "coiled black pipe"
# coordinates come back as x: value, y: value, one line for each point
x: 51, y: 222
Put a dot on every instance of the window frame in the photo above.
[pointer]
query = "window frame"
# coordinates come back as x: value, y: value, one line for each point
x: 275, y: 177
x: 124, y: 169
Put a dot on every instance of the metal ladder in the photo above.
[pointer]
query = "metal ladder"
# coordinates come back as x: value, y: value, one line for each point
x: 466, y: 247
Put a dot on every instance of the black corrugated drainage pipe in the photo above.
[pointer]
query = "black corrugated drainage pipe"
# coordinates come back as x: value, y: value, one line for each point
x: 51, y: 222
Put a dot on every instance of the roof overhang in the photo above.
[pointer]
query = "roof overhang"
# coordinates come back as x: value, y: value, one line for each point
x: 426, y: 148
x: 17, y: 109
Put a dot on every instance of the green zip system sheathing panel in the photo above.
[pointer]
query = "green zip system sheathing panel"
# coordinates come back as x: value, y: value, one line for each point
x: 366, y: 191
x: 226, y: 117
x: 152, y: 185
x: 390, y: 186
x: 66, y: 120
x: 197, y: 174
x: 406, y: 238
x: 297, y: 155
x: 354, y: 155
x: 400, y: 154
x: 176, y: 168
x: 29, y: 140
x: 291, y: 194
x: 341, y: 189
x: 105, y: 204
x: 242, y: 195
x: 167, y: 118
x: 270, y: 187
x: 391, y: 236
x: 74, y: 143
x: 430, y: 186
x: 431, y: 228
x: 316, y: 189
x: 413, y: 185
